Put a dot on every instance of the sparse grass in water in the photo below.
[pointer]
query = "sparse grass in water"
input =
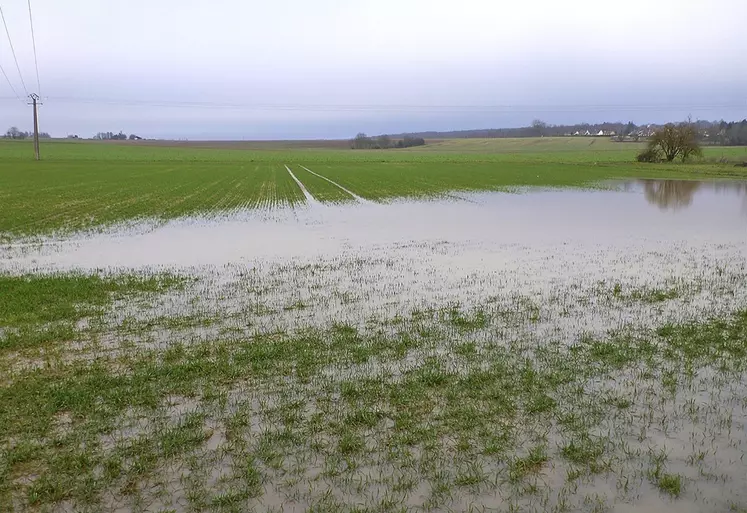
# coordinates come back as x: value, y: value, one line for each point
x: 444, y: 408
x: 671, y: 484
x: 41, y: 309
x: 288, y: 410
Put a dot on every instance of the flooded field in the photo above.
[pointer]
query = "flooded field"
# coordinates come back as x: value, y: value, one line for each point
x: 542, y: 349
x: 636, y: 212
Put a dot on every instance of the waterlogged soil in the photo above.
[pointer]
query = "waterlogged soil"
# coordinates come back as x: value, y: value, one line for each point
x: 561, y: 255
x: 533, y: 350
x: 640, y: 213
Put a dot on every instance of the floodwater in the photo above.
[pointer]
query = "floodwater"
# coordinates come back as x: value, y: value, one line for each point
x: 551, y: 256
x: 550, y: 249
x: 643, y: 212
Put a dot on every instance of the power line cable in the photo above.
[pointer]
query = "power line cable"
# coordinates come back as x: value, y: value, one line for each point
x: 507, y: 109
x: 10, y: 84
x: 33, y: 41
x: 403, y: 108
x: 13, y: 51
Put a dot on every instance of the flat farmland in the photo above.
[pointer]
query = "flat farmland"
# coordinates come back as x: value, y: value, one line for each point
x: 85, y: 185
x: 474, y: 325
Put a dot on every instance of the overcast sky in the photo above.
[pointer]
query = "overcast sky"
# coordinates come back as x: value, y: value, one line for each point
x: 331, y: 68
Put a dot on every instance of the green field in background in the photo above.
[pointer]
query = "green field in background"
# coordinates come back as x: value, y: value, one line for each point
x: 84, y: 184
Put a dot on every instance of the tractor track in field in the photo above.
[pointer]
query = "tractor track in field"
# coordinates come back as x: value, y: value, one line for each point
x: 309, y: 198
x: 347, y: 191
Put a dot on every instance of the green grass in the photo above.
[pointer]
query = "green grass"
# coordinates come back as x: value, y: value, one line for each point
x: 532, y: 463
x: 671, y: 484
x: 38, y: 298
x: 289, y: 406
x: 82, y: 185
x: 321, y: 189
x: 38, y: 310
x: 142, y: 392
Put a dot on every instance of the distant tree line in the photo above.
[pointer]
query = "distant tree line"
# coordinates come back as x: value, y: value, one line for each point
x: 726, y: 134
x: 384, y: 142
x: 707, y: 132
x: 111, y: 136
x: 538, y: 128
x: 14, y: 133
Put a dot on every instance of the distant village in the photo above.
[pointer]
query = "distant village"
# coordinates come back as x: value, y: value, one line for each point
x: 710, y: 132
x: 638, y: 133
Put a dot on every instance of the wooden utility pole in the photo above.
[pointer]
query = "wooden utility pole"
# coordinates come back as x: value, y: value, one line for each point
x: 35, y: 102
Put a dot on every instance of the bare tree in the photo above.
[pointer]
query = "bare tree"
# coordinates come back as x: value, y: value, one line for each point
x: 361, y: 142
x: 676, y: 141
x: 384, y: 142
x: 410, y: 141
x: 539, y: 127
x: 670, y: 194
x: 14, y: 133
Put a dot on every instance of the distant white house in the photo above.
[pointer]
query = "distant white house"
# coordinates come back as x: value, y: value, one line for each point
x: 587, y: 133
x: 601, y: 133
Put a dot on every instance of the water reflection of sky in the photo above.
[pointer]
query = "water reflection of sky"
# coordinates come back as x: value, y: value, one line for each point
x: 686, y: 213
